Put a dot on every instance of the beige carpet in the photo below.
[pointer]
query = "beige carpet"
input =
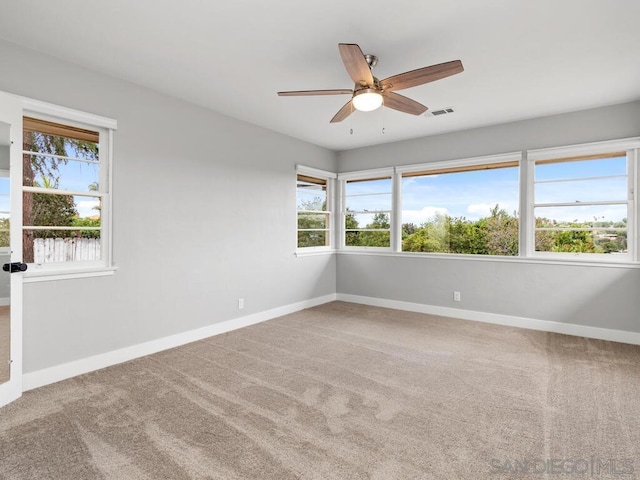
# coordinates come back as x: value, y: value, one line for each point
x: 5, y: 341
x: 340, y: 391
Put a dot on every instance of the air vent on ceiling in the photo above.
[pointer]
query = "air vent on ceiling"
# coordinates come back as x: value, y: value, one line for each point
x: 437, y: 113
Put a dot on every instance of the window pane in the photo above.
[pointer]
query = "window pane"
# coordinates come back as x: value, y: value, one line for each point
x: 367, y: 220
x: 311, y: 193
x: 53, y: 210
x: 368, y: 206
x: 368, y: 239
x: 5, y: 211
x: 368, y: 195
x: 312, y: 200
x: 4, y: 229
x: 51, y: 246
x: 63, y: 174
x: 581, y: 216
x: 313, y: 239
x: 568, y: 240
x: 603, y: 189
x: 366, y: 187
x: 468, y: 212
x: 313, y: 221
x: 560, y: 170
x: 312, y: 196
x: 581, y: 229
x: 60, y: 162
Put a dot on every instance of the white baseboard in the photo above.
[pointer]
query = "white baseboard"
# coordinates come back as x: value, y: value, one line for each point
x: 50, y: 375
x: 511, y: 321
x: 4, y: 301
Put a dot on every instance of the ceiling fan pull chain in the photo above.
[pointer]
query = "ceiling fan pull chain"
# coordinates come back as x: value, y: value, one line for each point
x: 382, y: 115
x: 351, y: 120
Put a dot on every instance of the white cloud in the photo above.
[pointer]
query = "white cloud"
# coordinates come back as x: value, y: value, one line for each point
x: 86, y: 207
x: 419, y: 217
x: 479, y: 210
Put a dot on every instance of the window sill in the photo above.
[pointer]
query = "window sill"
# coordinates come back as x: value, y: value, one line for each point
x: 496, y: 258
x: 33, y: 276
x: 313, y: 252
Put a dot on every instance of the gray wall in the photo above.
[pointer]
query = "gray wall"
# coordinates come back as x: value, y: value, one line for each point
x: 594, y: 296
x: 594, y: 125
x: 4, y: 156
x: 204, y: 213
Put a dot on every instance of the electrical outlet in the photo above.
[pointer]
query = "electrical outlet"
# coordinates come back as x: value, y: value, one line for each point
x: 240, y: 303
x: 456, y: 297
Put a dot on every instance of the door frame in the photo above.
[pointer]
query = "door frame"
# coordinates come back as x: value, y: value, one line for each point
x: 11, y: 108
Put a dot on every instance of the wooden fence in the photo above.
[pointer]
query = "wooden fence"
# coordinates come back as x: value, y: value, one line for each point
x: 48, y: 250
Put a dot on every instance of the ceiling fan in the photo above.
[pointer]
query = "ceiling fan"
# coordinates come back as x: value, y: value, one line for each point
x: 370, y: 93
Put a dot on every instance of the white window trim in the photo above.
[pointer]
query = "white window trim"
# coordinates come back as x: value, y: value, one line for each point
x: 396, y: 237
x: 372, y: 174
x: 330, y: 177
x: 106, y: 126
x: 527, y: 233
x: 463, y: 162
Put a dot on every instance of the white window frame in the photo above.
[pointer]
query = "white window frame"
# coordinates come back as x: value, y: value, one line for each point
x: 630, y: 146
x: 106, y: 127
x: 330, y: 179
x: 505, y: 158
x: 363, y: 175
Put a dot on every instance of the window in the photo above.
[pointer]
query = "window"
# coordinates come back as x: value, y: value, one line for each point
x: 367, y: 212
x: 314, y: 204
x: 582, y: 204
x: 571, y: 203
x: 65, y: 193
x: 462, y: 207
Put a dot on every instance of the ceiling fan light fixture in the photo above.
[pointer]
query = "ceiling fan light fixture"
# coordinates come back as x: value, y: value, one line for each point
x: 367, y: 100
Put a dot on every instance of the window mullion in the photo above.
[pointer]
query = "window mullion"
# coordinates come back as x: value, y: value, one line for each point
x: 526, y: 230
x: 396, y: 213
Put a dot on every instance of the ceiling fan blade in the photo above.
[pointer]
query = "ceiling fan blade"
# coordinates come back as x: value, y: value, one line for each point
x: 403, y: 104
x: 421, y: 76
x: 355, y: 63
x: 343, y: 113
x: 301, y: 93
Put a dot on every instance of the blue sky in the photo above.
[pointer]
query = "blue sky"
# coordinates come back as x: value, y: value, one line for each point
x: 4, y: 197
x: 467, y: 194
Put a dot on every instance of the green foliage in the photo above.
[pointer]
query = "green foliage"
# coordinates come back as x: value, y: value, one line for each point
x: 316, y: 223
x: 364, y: 238
x: 86, y: 222
x: 4, y: 232
x: 574, y: 240
x: 496, y: 234
x: 51, y: 210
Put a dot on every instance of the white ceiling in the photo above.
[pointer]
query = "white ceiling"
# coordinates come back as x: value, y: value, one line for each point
x: 522, y: 59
